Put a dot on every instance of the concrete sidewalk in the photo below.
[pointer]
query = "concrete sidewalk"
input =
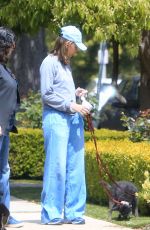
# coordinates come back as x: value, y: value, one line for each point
x: 29, y: 213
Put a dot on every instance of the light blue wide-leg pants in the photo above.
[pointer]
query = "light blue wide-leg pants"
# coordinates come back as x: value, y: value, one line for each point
x: 4, y: 171
x: 64, y: 190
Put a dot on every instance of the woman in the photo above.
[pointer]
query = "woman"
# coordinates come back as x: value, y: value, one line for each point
x: 64, y: 193
x: 9, y: 100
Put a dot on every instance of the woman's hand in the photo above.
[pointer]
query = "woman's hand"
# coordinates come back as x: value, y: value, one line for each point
x: 81, y: 92
x: 80, y: 109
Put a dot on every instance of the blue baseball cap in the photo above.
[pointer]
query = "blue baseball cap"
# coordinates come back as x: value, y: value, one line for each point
x: 73, y: 34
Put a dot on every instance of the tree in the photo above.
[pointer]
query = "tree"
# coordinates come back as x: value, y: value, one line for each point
x: 30, y: 49
x: 29, y: 53
x: 106, y: 19
x: 122, y: 21
x: 145, y: 70
x: 26, y: 16
x: 117, y: 21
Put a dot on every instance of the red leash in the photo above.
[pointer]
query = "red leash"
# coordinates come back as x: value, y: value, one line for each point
x: 101, y: 166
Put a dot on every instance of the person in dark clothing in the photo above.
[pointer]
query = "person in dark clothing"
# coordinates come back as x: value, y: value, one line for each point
x: 9, y: 102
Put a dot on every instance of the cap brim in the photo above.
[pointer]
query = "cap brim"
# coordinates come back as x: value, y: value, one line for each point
x: 81, y: 46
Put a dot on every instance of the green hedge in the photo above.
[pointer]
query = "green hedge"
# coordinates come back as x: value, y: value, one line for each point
x: 106, y: 134
x: 27, y: 150
x: 27, y: 154
x: 126, y: 160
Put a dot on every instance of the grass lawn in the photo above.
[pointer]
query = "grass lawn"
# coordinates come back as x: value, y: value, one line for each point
x: 96, y: 211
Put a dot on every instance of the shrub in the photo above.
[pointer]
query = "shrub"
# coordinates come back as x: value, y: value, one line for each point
x: 106, y: 134
x: 27, y: 154
x: 30, y: 115
x: 125, y: 161
x: 145, y: 192
x: 139, y: 127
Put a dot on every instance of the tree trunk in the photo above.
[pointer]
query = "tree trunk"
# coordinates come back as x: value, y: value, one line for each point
x: 26, y: 61
x: 144, y: 52
x: 115, y: 62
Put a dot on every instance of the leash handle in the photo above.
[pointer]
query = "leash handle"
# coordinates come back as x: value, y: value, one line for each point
x: 86, y: 103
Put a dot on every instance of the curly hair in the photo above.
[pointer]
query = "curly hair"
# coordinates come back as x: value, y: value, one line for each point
x: 7, y: 40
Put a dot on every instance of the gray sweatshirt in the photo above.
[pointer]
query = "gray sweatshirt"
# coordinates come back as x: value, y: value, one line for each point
x: 57, y: 85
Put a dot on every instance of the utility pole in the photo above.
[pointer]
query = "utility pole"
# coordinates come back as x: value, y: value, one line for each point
x: 102, y: 61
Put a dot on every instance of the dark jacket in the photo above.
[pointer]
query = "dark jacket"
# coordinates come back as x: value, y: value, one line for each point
x: 9, y: 99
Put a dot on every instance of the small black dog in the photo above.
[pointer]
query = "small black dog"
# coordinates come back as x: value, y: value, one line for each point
x: 126, y: 193
x: 4, y: 214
